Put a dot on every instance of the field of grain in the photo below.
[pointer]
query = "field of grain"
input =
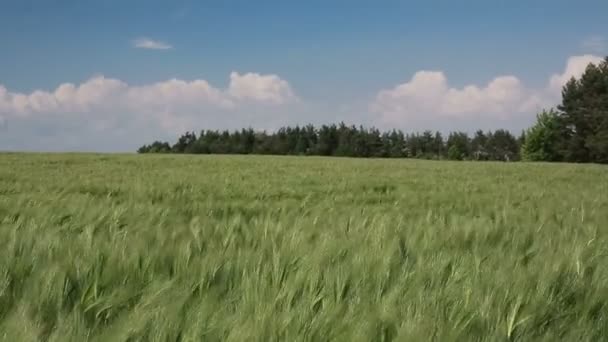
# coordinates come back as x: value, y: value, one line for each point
x: 229, y: 248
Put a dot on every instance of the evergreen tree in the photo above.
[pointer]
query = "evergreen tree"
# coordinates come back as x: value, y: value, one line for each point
x: 155, y: 147
x: 397, y: 144
x: 479, y: 146
x: 185, y: 143
x: 584, y: 116
x: 459, y: 146
x: 342, y: 140
x: 503, y: 146
x: 439, y: 146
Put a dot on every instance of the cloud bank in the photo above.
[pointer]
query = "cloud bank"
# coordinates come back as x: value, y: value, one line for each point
x: 428, y: 97
x: 100, y: 92
x: 109, y: 106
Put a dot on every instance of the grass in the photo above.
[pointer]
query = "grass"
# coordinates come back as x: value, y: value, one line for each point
x: 228, y: 248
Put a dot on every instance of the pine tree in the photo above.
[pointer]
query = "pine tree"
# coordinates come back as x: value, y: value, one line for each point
x: 583, y: 116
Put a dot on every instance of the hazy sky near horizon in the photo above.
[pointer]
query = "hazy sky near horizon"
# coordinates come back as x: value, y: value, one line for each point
x: 81, y: 75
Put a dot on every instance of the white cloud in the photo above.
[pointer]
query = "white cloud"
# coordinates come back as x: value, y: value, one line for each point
x: 596, y: 44
x: 147, y: 43
x: 111, y: 111
x: 100, y: 92
x: 428, y: 93
x: 256, y: 87
x: 428, y: 97
x: 97, y: 91
x: 176, y: 93
x: 575, y: 67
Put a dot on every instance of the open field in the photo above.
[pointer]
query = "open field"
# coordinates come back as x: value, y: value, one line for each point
x: 229, y: 248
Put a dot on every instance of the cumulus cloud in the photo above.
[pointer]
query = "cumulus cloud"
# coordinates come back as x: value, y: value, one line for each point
x: 107, y: 109
x: 428, y: 93
x: 575, y: 67
x: 267, y: 88
x: 100, y: 92
x: 427, y: 96
x: 147, y: 43
x: 176, y: 93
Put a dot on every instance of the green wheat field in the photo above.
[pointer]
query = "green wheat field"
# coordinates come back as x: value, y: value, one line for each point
x: 257, y: 248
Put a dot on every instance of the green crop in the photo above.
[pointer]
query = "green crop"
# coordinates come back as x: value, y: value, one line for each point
x: 250, y: 248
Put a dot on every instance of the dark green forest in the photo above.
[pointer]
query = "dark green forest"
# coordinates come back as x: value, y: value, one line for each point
x: 575, y: 131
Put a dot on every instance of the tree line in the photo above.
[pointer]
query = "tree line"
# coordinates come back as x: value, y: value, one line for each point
x: 346, y: 141
x: 576, y: 131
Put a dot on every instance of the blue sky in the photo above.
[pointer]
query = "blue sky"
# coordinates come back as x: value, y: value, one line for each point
x: 384, y: 63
